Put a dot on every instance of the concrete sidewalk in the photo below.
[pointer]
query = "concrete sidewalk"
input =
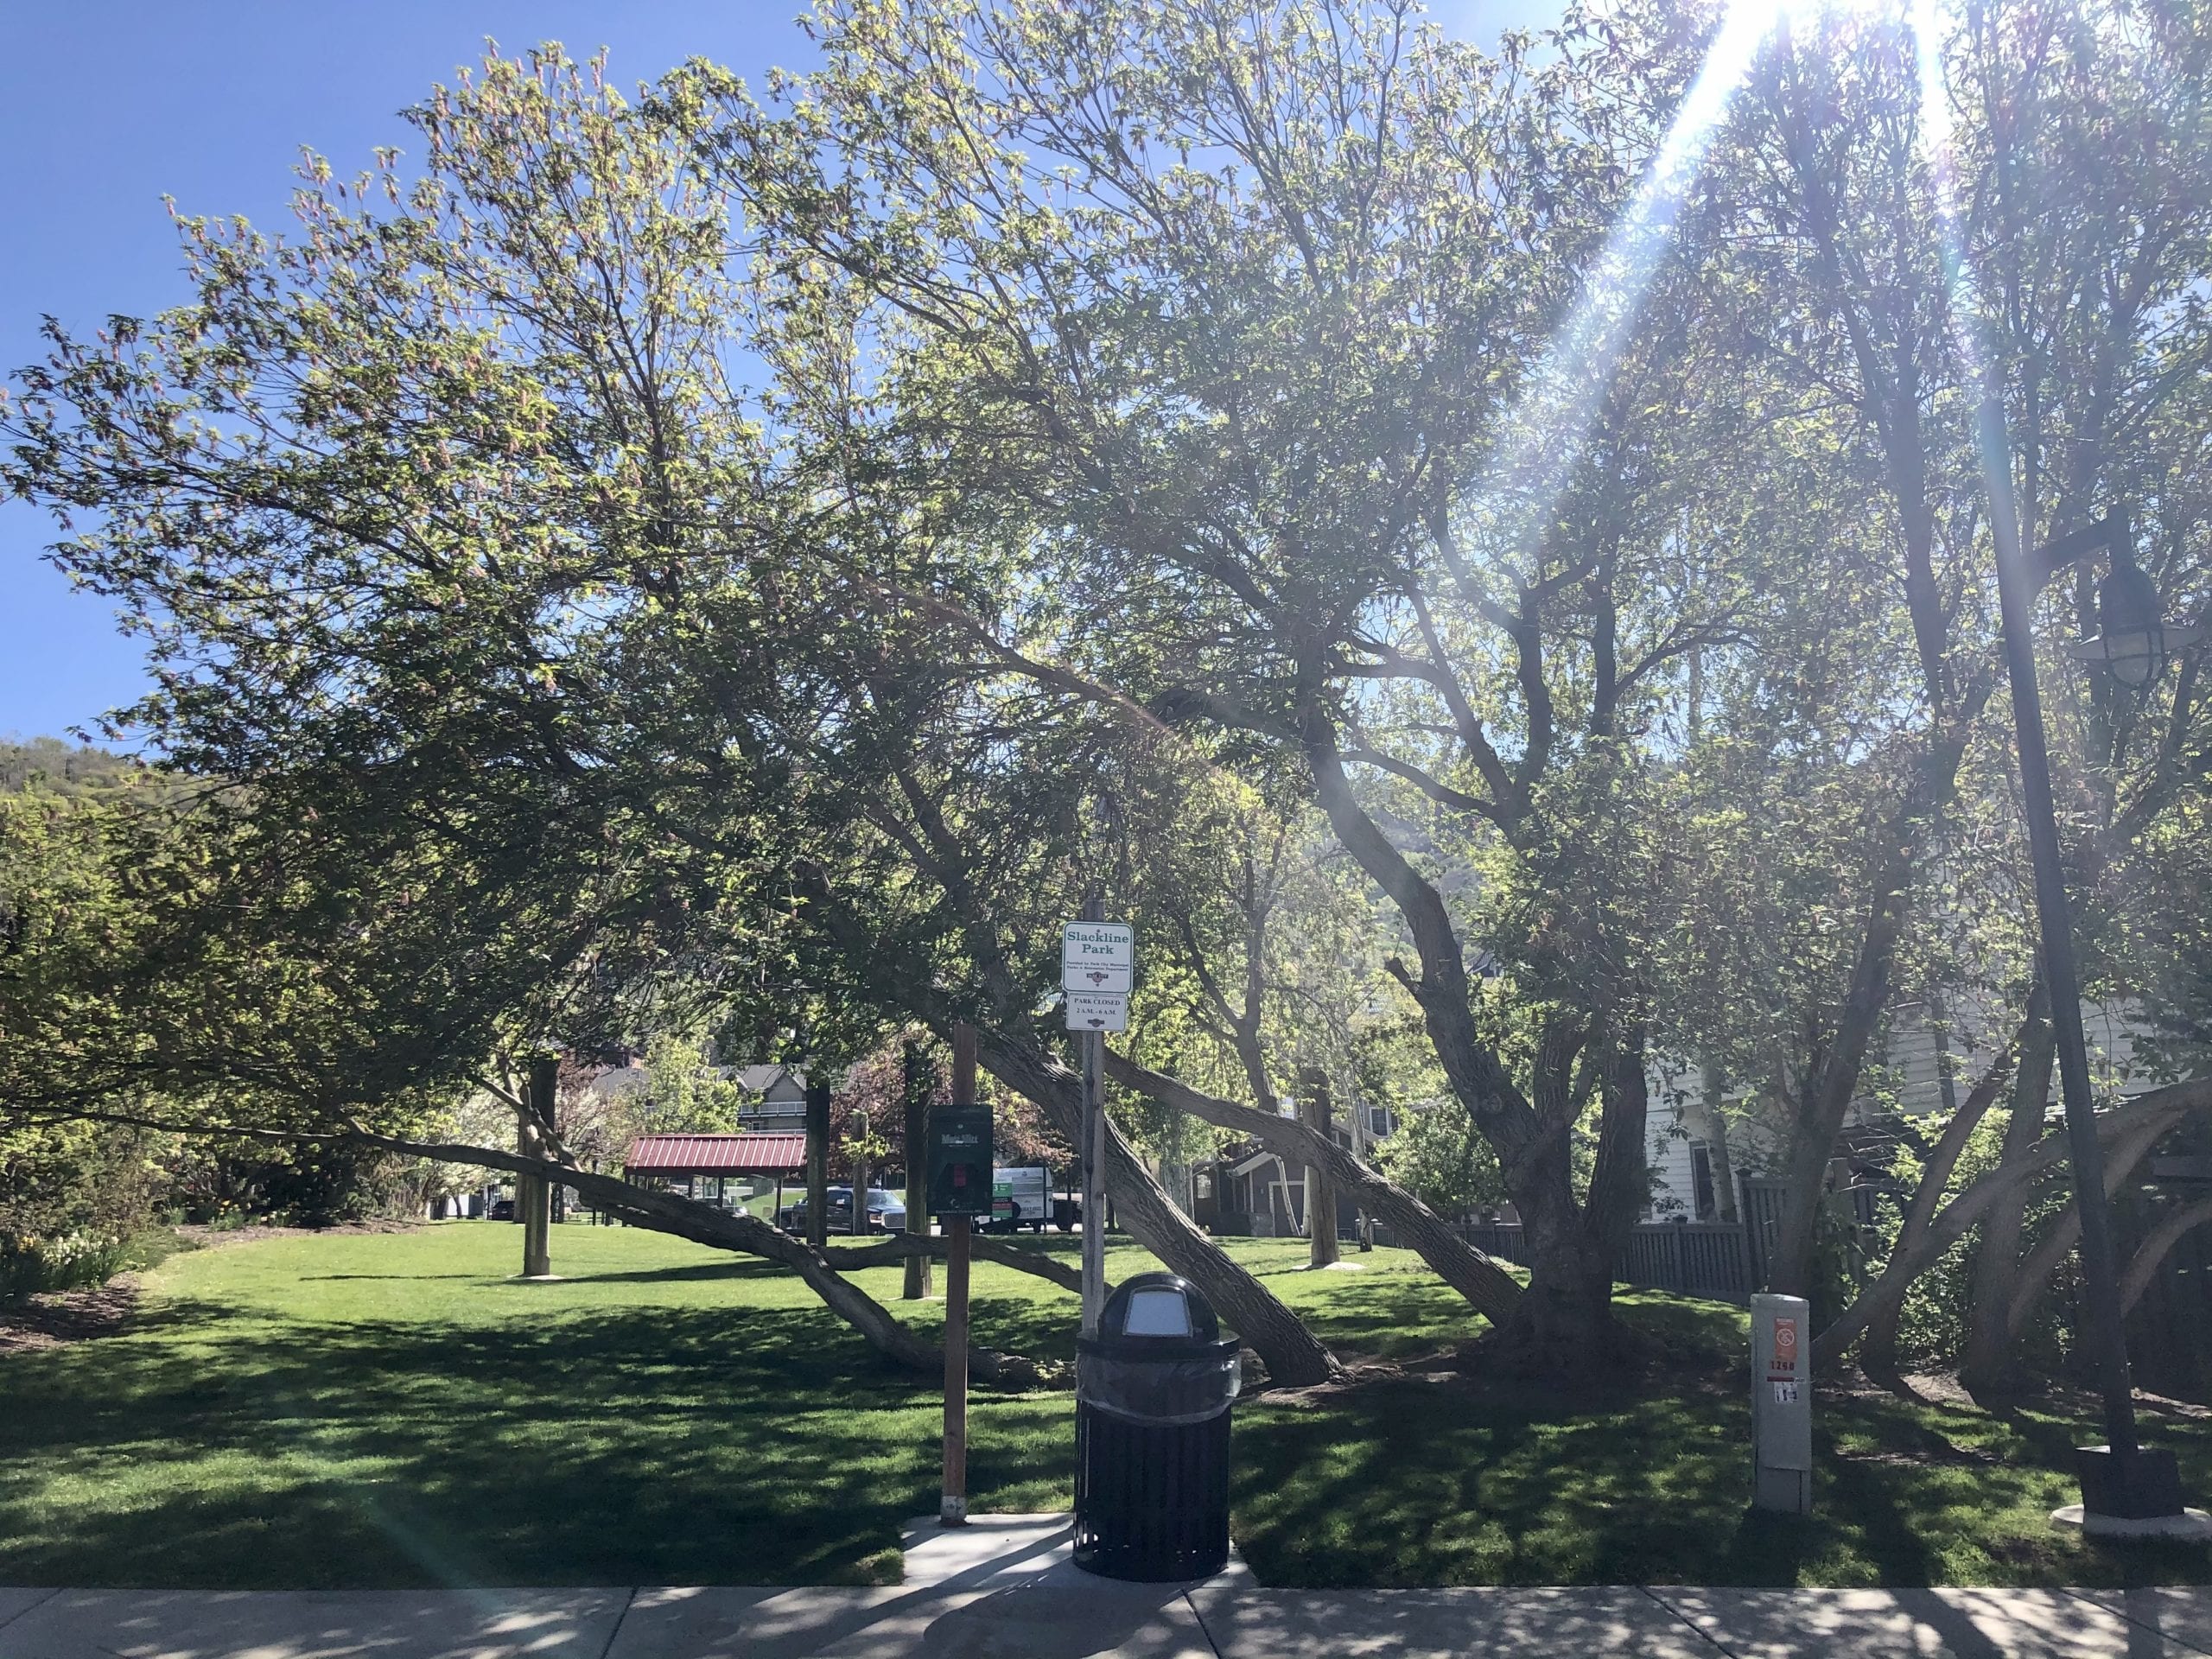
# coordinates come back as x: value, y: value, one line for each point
x: 1005, y: 1589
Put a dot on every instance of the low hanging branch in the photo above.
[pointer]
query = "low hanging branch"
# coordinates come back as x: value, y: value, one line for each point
x: 661, y: 1212
x: 1491, y: 1290
x: 2179, y: 1221
x: 721, y: 1230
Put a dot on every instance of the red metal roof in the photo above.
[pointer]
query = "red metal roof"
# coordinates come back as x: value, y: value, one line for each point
x: 716, y: 1155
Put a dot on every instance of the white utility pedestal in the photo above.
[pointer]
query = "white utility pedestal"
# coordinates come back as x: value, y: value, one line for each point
x: 1782, y: 1404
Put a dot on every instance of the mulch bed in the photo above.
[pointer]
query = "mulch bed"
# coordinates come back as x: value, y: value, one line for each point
x: 56, y: 1316
x: 208, y: 1237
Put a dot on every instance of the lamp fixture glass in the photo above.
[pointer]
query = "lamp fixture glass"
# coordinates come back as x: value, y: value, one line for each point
x: 2132, y: 624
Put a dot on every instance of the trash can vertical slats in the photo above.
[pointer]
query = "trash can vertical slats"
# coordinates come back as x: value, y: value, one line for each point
x: 1153, y: 1395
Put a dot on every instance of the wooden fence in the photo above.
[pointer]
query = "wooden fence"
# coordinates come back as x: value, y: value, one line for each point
x: 1724, y: 1260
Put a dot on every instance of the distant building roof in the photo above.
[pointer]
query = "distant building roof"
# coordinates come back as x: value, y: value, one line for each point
x: 759, y: 1079
x: 716, y: 1155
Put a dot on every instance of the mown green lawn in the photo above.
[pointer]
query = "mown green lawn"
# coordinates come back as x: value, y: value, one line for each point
x: 394, y: 1410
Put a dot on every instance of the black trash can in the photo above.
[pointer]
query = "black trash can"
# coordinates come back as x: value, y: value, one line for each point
x: 1153, y: 1393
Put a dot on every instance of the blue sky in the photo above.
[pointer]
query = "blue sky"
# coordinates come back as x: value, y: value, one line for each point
x: 107, y: 104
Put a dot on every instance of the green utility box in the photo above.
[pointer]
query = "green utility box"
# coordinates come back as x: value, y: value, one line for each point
x: 960, y: 1160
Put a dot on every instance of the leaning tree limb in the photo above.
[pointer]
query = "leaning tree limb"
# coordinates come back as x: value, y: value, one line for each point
x: 2157, y: 1243
x: 2156, y: 1111
x: 1294, y: 1357
x: 1491, y: 1291
x: 1877, y: 1354
x: 663, y: 1212
x: 749, y: 1235
x: 2065, y: 1233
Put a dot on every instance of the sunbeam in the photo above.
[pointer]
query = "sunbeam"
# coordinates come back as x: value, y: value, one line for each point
x: 1544, y: 431
x: 1939, y: 145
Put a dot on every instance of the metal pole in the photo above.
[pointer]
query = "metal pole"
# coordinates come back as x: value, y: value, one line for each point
x: 1094, y: 1181
x: 2108, y: 1340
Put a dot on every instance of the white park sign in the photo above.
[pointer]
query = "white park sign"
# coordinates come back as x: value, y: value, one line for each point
x: 1099, y: 956
x: 1098, y: 1011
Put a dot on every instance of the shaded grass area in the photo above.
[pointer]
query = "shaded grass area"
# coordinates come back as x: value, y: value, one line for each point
x: 388, y: 1410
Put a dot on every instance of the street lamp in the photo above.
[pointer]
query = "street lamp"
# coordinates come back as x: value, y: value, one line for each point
x: 2134, y: 639
x: 2127, y: 1488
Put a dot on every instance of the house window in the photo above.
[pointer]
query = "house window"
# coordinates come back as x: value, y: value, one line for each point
x: 1701, y: 1180
x: 1202, y: 1185
x: 1378, y: 1121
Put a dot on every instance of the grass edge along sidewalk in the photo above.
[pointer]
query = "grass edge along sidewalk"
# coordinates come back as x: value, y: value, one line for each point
x: 390, y: 1410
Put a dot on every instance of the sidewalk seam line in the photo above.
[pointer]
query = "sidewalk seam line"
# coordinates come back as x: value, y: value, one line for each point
x: 2121, y: 1613
x: 612, y: 1634
x: 21, y: 1613
x: 1212, y: 1646
x: 1704, y: 1635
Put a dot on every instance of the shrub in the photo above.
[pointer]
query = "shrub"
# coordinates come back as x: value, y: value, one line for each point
x: 74, y: 1261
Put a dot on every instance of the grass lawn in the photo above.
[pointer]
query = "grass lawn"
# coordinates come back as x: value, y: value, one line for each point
x: 394, y: 1409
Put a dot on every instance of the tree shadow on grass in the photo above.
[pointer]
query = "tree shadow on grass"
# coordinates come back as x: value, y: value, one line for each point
x: 663, y: 1445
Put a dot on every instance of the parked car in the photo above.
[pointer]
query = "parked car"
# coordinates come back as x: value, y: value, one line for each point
x: 886, y: 1211
x: 503, y: 1209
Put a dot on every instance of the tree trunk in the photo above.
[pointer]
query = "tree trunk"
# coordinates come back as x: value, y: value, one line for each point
x: 1715, y: 1123
x: 817, y: 1157
x: 920, y: 1086
x: 1565, y: 1315
x: 1293, y: 1356
x: 1984, y: 1365
x: 1878, y: 1352
x: 860, y: 1173
x: 533, y: 1198
x: 1832, y: 1082
x: 1313, y: 1105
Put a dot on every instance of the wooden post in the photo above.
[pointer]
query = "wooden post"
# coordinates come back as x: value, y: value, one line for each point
x: 817, y: 1158
x: 532, y: 1195
x: 917, y: 1175
x: 1315, y: 1106
x: 952, y: 1505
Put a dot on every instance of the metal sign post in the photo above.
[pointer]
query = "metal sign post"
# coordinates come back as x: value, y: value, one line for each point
x: 1098, y: 968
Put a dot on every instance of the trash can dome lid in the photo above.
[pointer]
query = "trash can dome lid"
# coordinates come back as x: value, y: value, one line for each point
x: 1162, y: 1305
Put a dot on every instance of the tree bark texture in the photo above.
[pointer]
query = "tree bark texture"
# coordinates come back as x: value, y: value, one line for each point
x: 916, y: 1076
x: 817, y: 1158
x: 1314, y: 1106
x: 1997, y: 1256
